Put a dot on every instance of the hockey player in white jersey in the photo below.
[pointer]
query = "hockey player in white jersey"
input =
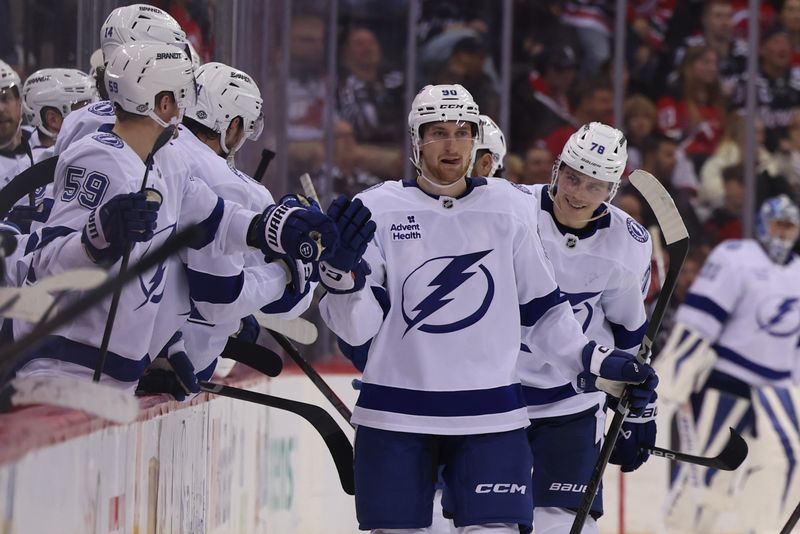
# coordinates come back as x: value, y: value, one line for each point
x: 733, y: 355
x: 15, y: 149
x: 48, y: 97
x: 99, y: 212
x: 228, y: 113
x: 601, y: 259
x: 455, y: 279
x: 127, y: 24
x: 491, y: 149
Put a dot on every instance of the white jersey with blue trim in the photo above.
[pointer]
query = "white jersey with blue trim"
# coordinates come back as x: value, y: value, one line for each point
x: 603, y: 270
x: 13, y: 162
x: 209, y: 277
x: 151, y: 310
x: 82, y: 122
x: 748, y: 308
x: 452, y: 281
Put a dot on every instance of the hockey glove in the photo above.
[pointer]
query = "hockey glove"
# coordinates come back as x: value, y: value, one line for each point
x: 637, y: 432
x: 345, y: 271
x: 173, y: 375
x: 249, y: 330
x: 117, y: 224
x: 610, y: 370
x: 23, y: 216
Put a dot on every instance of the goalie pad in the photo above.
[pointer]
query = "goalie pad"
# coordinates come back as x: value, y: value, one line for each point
x: 683, y: 365
x: 770, y: 487
x: 698, y: 493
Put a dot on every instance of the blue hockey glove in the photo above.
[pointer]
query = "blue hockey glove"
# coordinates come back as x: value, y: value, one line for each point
x: 174, y: 375
x: 248, y: 332
x: 637, y: 432
x: 345, y: 271
x: 120, y: 222
x: 23, y: 216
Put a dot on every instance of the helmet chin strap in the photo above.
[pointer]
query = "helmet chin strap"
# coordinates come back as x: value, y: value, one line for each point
x: 439, y: 189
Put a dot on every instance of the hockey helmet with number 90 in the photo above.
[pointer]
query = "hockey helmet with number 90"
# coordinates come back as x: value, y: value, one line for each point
x: 61, y: 89
x: 596, y: 150
x: 139, y: 22
x: 136, y: 73
x: 780, y: 208
x: 225, y: 93
x: 441, y: 103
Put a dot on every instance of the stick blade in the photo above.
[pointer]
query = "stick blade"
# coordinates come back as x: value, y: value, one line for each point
x: 734, y: 453
x: 259, y: 358
x: 299, y: 330
x: 662, y: 205
x: 97, y: 399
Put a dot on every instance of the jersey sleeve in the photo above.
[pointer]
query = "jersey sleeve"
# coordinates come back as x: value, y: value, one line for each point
x: 714, y: 294
x: 547, y: 320
x: 623, y: 303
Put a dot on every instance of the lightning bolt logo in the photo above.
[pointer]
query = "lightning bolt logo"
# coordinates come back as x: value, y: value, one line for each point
x: 450, y: 278
x: 780, y: 316
x: 150, y: 287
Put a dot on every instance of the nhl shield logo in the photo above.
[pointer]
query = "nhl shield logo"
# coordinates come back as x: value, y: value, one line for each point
x: 570, y: 241
x: 447, y: 203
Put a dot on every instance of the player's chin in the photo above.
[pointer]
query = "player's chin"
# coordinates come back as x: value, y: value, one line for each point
x: 450, y: 173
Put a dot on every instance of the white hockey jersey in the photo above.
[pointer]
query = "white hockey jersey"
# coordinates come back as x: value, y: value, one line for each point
x: 748, y: 308
x: 92, y: 171
x: 603, y: 270
x: 13, y: 162
x: 453, y: 280
x: 261, y: 284
x: 82, y: 122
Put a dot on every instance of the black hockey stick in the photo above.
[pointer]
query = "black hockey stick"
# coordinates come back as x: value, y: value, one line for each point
x: 790, y: 524
x: 729, y: 459
x: 266, y: 157
x: 10, y: 353
x: 339, y: 446
x: 162, y: 139
x: 26, y: 182
x: 677, y: 239
x: 311, y: 373
x: 260, y: 358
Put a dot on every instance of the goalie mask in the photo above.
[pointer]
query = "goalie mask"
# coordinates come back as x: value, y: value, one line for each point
x: 136, y: 73
x: 778, y: 227
x: 139, y: 22
x: 442, y: 103
x: 596, y: 150
x: 62, y: 89
x: 492, y: 139
x: 225, y: 93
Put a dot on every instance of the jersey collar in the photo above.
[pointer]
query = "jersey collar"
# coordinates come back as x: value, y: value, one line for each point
x: 589, y: 230
x: 22, y: 149
x: 472, y: 183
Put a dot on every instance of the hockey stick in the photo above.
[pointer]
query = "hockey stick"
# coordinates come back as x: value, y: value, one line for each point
x: 162, y: 139
x: 318, y: 381
x: 299, y: 329
x: 10, y: 353
x: 266, y: 158
x: 338, y: 445
x: 790, y: 524
x: 32, y: 303
x: 26, y: 182
x: 253, y: 355
x: 677, y: 238
x: 729, y: 459
x: 101, y: 400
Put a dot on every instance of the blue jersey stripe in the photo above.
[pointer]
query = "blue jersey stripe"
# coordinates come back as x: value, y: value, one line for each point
x: 441, y: 403
x: 210, y: 225
x: 538, y: 396
x: 627, y: 339
x: 706, y: 305
x: 785, y: 442
x: 734, y: 357
x: 204, y: 287
x: 286, y: 302
x: 116, y: 366
x: 534, y: 310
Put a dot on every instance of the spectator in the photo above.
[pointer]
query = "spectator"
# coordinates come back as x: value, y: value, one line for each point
x: 512, y: 169
x: 791, y: 159
x: 778, y: 86
x: 718, y: 34
x: 593, y: 101
x: 370, y: 94
x: 693, y: 109
x: 537, y: 166
x: 345, y: 178
x: 726, y: 221
x: 648, y: 21
x: 640, y: 120
x: 539, y: 99
x: 194, y: 20
x: 790, y: 19
x: 729, y: 152
x: 538, y: 27
x: 631, y: 203
x: 593, y: 20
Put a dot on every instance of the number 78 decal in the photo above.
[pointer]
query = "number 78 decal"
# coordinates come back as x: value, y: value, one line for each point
x: 597, y: 147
